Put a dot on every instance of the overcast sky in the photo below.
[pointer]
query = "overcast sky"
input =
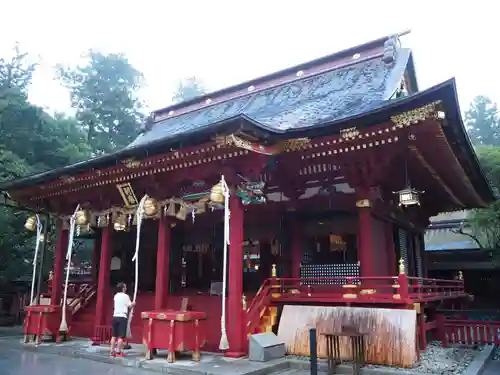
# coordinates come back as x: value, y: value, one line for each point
x: 224, y: 42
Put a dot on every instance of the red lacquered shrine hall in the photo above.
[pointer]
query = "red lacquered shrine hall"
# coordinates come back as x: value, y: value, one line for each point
x: 334, y: 168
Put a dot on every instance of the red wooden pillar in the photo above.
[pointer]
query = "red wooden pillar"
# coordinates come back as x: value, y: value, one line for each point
x: 95, y: 258
x: 103, y: 287
x: 391, y: 251
x: 296, y: 250
x: 235, y: 314
x: 61, y: 248
x: 422, y: 332
x: 162, y: 263
x: 365, y: 243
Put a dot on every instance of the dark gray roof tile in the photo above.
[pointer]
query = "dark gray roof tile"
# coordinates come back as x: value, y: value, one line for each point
x: 329, y: 96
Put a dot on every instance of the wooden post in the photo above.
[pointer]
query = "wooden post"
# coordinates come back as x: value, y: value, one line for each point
x: 441, y: 332
x: 365, y: 248
x: 103, y: 287
x: 95, y: 257
x: 389, y: 248
x: 422, y: 331
x: 313, y: 349
x: 296, y: 250
x: 162, y: 263
x: 235, y: 290
x: 61, y: 247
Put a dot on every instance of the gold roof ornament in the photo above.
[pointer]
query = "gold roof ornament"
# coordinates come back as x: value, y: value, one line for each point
x: 413, y: 116
x: 349, y: 133
x: 30, y: 223
x: 217, y: 193
x: 274, y: 273
x: 150, y: 207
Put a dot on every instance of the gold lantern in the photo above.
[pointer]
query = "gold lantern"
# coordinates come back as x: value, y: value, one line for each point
x: 217, y: 193
x: 199, y: 206
x: 120, y: 223
x: 30, y: 223
x: 170, y: 209
x: 182, y: 214
x: 150, y: 207
x: 82, y: 217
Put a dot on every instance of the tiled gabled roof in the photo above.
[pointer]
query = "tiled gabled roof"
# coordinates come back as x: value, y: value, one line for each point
x: 329, y: 96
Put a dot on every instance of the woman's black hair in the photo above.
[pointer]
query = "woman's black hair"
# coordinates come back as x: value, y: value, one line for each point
x: 119, y: 287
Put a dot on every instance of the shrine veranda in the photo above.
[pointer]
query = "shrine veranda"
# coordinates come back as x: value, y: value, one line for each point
x: 334, y: 168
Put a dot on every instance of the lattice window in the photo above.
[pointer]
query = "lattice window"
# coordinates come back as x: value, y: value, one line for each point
x: 403, y: 247
x: 329, y: 271
x: 418, y: 255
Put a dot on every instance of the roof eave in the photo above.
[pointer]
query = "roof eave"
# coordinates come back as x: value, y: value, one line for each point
x: 446, y: 92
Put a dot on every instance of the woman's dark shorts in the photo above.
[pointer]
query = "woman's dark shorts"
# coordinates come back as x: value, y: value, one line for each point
x: 119, y: 327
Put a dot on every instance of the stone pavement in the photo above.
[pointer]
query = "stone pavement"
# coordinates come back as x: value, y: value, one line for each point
x: 11, y: 331
x: 210, y: 364
x: 493, y: 368
x: 16, y: 362
x: 54, y: 361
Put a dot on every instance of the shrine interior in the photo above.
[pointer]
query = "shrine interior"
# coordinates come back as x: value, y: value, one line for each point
x: 328, y: 248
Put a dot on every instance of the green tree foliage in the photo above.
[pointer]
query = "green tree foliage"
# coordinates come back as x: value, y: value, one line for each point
x: 485, y: 223
x: 482, y: 122
x: 104, y: 94
x: 16, y: 71
x: 483, y: 126
x: 188, y: 88
x: 30, y: 141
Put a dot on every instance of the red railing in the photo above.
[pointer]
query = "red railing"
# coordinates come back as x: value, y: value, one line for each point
x: 256, y: 308
x: 102, y: 335
x: 400, y: 289
x: 73, y: 287
x: 470, y: 332
x: 423, y: 289
x: 81, y: 300
x: 383, y: 289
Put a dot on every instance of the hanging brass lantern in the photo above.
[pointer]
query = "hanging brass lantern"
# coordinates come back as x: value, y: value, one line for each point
x: 217, y: 193
x: 199, y: 206
x: 30, y: 223
x: 150, y: 206
x: 409, y: 197
x: 82, y: 217
x: 120, y: 223
x: 182, y: 214
x: 170, y: 209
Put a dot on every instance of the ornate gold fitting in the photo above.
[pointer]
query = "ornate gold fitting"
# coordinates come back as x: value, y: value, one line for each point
x: 413, y: 116
x: 402, y: 267
x: 363, y: 203
x: 273, y: 271
x: 349, y: 134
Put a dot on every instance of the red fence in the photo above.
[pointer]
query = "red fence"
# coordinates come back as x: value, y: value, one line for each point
x: 378, y: 289
x: 395, y: 290
x: 74, y: 287
x: 102, y: 334
x: 470, y: 332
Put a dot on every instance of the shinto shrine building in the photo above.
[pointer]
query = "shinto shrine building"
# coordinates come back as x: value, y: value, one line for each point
x: 334, y: 168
